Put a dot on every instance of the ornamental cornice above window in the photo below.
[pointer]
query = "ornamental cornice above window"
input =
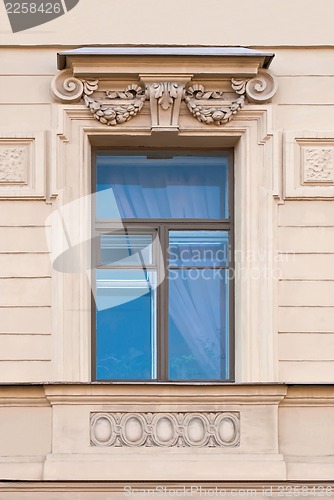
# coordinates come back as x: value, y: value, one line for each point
x: 117, y: 83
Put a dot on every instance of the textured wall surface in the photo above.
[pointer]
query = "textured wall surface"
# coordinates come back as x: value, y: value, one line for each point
x: 284, y: 154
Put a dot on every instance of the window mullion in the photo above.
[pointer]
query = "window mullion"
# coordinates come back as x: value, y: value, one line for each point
x: 162, y: 341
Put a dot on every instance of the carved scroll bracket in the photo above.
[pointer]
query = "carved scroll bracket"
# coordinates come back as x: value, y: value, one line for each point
x: 262, y: 88
x: 165, y: 93
x: 66, y: 88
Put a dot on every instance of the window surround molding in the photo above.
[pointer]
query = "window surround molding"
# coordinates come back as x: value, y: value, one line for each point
x: 257, y: 184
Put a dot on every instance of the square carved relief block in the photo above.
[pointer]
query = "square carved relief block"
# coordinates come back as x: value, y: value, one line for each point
x: 13, y: 164
x: 22, y: 166
x: 317, y: 164
x: 309, y: 164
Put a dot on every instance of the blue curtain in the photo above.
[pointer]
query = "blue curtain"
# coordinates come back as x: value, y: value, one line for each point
x: 198, y: 325
x: 179, y: 187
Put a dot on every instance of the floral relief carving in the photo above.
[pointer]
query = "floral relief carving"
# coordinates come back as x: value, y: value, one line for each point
x: 165, y: 429
x: 112, y: 108
x: 209, y: 107
x: 214, y: 107
x: 318, y: 165
x: 12, y: 165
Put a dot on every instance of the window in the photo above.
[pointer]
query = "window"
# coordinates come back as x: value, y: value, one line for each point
x: 164, y: 287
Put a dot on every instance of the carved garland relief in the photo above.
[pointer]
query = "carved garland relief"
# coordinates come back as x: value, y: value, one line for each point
x: 165, y: 429
x: 115, y: 107
x: 209, y: 107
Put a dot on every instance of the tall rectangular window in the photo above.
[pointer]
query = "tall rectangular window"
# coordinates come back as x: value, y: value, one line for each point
x: 164, y: 287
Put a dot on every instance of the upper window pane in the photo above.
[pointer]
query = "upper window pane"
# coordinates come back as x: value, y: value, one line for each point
x: 126, y: 249
x: 177, y: 187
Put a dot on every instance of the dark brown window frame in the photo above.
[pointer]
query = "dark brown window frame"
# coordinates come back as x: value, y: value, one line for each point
x: 162, y: 226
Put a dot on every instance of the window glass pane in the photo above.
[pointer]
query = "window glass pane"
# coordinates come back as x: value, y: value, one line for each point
x: 198, y: 324
x: 198, y: 248
x: 174, y: 187
x: 125, y: 325
x: 126, y: 249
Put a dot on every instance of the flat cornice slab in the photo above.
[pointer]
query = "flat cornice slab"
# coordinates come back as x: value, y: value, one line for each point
x: 106, y: 62
x: 165, y: 51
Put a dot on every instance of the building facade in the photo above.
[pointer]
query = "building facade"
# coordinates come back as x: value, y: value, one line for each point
x: 120, y: 141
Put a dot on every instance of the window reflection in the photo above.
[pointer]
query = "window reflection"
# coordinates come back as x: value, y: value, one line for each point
x: 125, y: 325
x: 126, y: 249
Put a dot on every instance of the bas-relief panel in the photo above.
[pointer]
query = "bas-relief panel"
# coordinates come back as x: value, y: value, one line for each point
x: 165, y: 429
x: 22, y: 166
x: 13, y: 165
x: 317, y: 165
x: 308, y: 164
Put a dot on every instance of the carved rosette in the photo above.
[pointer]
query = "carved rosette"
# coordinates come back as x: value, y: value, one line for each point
x: 209, y: 107
x: 165, y: 429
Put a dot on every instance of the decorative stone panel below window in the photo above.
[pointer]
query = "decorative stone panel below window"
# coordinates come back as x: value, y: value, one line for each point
x: 165, y: 429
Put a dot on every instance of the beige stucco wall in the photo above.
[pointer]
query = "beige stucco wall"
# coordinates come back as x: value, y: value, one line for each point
x: 259, y: 23
x: 305, y: 323
x: 286, y: 432
x: 304, y: 227
x: 285, y: 435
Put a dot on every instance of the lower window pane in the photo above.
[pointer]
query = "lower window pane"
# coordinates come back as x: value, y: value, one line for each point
x: 125, y: 325
x: 198, y: 324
